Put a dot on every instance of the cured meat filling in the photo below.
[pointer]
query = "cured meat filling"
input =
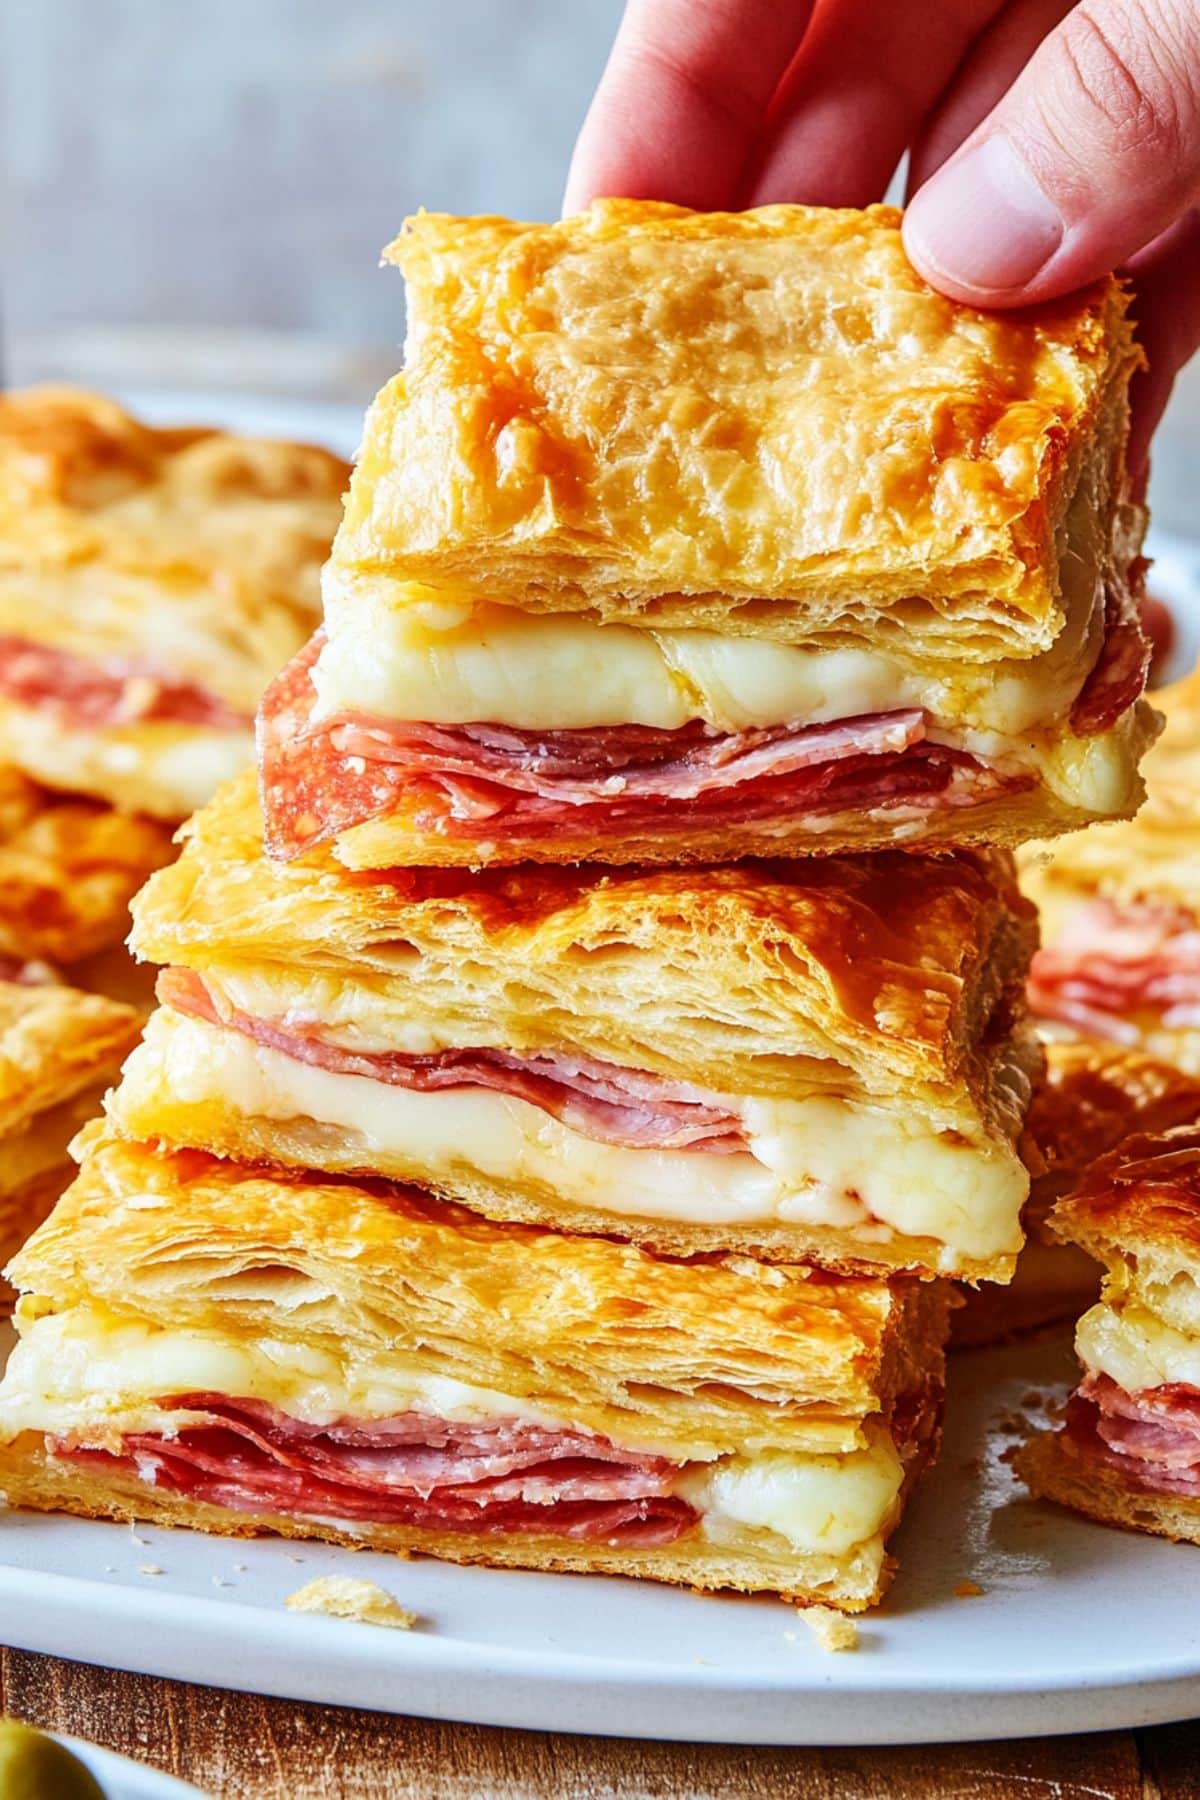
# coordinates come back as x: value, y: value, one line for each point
x: 601, y: 1100
x: 1111, y: 961
x: 1152, y: 1437
x: 499, y: 1476
x: 89, y: 696
x: 472, y: 780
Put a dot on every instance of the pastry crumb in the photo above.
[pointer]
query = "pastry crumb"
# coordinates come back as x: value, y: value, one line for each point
x: 344, y: 1597
x: 832, y: 1630
x: 967, y: 1590
x: 149, y: 1569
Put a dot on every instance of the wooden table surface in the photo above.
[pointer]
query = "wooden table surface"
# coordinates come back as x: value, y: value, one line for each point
x: 241, y: 1747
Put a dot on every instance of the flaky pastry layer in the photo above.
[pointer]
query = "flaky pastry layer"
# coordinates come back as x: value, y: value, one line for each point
x: 68, y: 870
x: 649, y: 414
x: 1055, y: 1466
x: 55, y: 1041
x: 855, y: 976
x: 651, y: 1350
x: 120, y: 539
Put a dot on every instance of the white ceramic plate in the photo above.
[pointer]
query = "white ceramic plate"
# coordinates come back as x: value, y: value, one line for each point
x: 1075, y: 1628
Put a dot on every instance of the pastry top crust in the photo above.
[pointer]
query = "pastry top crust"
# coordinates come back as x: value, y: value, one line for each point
x: 195, y: 550
x: 1156, y: 854
x: 765, y: 422
x: 1141, y: 1201
x: 641, y: 1347
x: 55, y: 1041
x: 68, y: 870
x: 1094, y: 1096
x: 890, y: 967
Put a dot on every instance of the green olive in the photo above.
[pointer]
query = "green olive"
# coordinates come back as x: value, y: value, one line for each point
x: 34, y: 1767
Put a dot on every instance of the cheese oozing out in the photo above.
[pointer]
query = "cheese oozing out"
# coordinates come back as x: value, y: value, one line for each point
x: 1135, y: 1348
x: 87, y: 1372
x: 818, y: 1161
x: 410, y: 654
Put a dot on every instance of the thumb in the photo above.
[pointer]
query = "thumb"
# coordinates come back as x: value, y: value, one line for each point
x: 1092, y: 152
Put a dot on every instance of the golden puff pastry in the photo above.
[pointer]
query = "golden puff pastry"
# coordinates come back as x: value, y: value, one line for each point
x: 59, y: 1049
x: 764, y: 422
x: 690, y: 536
x: 824, y: 1059
x: 523, y: 1397
x: 1120, y: 910
x: 1128, y: 1452
x: 1093, y: 1096
x: 68, y: 870
x: 151, y: 583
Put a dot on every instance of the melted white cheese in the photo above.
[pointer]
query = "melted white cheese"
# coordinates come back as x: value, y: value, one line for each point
x: 86, y: 1371
x: 557, y: 672
x: 1134, y: 1348
x: 820, y: 1504
x: 162, y: 768
x: 816, y: 1161
x: 396, y: 651
x: 72, y: 1368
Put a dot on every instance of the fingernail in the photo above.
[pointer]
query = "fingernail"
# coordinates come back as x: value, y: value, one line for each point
x: 983, y: 222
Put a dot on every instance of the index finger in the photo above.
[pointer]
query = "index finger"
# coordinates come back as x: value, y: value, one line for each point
x: 680, y: 106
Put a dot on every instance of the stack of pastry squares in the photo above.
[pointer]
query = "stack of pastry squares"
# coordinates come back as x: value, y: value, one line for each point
x: 589, y: 1049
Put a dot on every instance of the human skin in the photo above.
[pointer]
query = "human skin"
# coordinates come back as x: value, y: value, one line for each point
x: 1048, y: 142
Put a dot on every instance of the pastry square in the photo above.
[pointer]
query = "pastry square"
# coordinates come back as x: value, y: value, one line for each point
x: 1092, y: 1097
x: 691, y: 536
x: 68, y: 870
x: 821, y: 1059
x: 151, y: 584
x: 1128, y: 1452
x: 1120, y: 908
x: 204, y: 1345
x: 59, y: 1050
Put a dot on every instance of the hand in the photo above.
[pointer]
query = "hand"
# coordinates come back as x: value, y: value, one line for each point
x: 1048, y: 142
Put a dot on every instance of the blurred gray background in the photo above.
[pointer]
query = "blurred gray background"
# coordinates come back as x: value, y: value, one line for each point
x: 196, y: 191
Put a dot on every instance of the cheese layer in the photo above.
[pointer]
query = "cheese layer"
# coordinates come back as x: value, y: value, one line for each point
x: 560, y: 672
x: 85, y: 1372
x: 158, y: 767
x: 817, y: 1161
x: 1135, y: 1348
x: 411, y: 654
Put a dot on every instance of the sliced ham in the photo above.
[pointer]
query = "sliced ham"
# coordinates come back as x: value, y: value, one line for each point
x: 320, y: 780
x: 86, y: 695
x: 495, y: 1476
x: 1111, y: 961
x: 1152, y: 1438
x: 601, y: 1100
